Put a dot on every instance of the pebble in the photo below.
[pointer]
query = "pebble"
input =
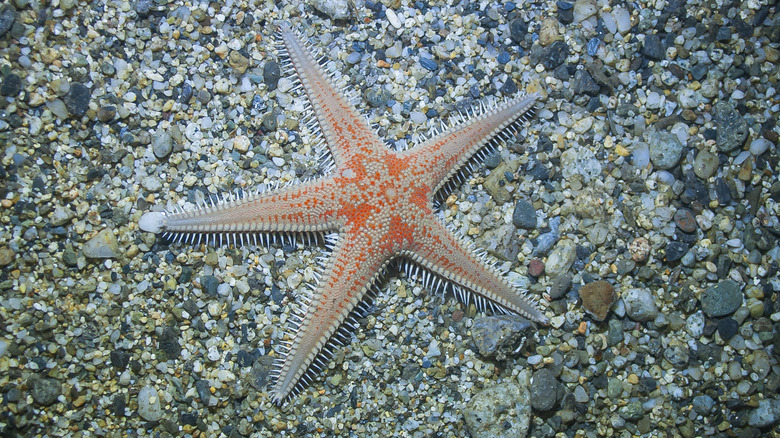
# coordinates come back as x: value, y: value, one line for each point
x: 524, y: 215
x: 584, y: 9
x: 597, y: 298
x: 162, y: 144
x: 675, y: 251
x: 583, y: 83
x: 77, y: 99
x: 640, y: 304
x: 722, y: 299
x: 44, y: 390
x: 545, y: 390
x: 639, y: 249
x: 6, y: 256
x: 518, y: 30
x: 705, y: 165
x: 685, y: 220
x: 7, y: 18
x: 11, y: 85
x: 653, y: 48
x: 271, y: 74
x: 561, y: 258
x: 555, y: 54
x: 102, y: 246
x: 766, y: 414
x: 731, y: 127
x: 499, y: 335
x: 500, y: 411
x: 335, y: 9
x: 560, y: 286
x: 759, y: 146
x: 149, y: 404
x: 665, y: 149
x: 535, y: 268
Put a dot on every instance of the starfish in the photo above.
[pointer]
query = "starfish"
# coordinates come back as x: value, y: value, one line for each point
x: 379, y: 202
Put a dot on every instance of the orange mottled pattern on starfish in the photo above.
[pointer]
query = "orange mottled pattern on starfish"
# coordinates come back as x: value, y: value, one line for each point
x: 379, y: 201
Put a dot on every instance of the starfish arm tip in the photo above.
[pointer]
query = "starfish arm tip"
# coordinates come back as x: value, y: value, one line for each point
x: 152, y: 222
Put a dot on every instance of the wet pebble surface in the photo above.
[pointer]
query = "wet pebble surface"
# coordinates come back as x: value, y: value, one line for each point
x: 650, y: 168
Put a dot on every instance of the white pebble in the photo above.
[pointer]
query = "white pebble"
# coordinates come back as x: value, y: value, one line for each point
x: 759, y: 146
x: 623, y: 19
x: 394, y: 20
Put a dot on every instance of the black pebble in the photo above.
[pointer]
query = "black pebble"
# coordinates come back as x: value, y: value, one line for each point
x: 12, y: 85
x: 653, y: 48
x: 77, y: 99
x: 675, y: 251
x: 271, y: 75
x: 727, y: 328
x: 555, y: 54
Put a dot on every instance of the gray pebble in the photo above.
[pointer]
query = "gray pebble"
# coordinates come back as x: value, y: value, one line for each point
x: 640, y: 304
x: 653, y: 48
x: 61, y: 216
x: 77, y: 99
x: 149, y: 404
x: 524, y: 215
x: 665, y: 149
x: 732, y: 129
x: 499, y: 411
x: 7, y: 18
x: 102, y: 246
x: 546, y: 390
x: 335, y: 9
x: 561, y: 258
x: 162, y: 144
x: 632, y: 411
x: 766, y: 414
x: 560, y: 285
x: 705, y: 164
x: 721, y: 299
x: 500, y: 334
x: 44, y: 390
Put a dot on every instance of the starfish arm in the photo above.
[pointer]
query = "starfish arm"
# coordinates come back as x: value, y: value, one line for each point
x: 441, y: 252
x: 345, y: 131
x: 350, y: 271
x: 440, y: 157
x: 302, y: 208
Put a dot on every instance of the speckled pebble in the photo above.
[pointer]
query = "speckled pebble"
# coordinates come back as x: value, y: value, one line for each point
x: 499, y: 335
x: 499, y: 411
x: 665, y: 149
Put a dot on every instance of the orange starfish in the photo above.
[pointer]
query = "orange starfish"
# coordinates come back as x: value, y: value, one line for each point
x: 381, y: 204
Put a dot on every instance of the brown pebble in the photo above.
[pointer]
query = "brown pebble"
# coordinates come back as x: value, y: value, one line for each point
x: 597, y: 298
x: 457, y: 315
x: 535, y: 268
x: 6, y: 256
x: 685, y: 220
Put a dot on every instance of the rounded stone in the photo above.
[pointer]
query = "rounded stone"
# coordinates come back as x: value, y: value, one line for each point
x: 722, y: 299
x: 705, y: 164
x: 640, y: 304
x: 665, y: 149
x: 149, y: 404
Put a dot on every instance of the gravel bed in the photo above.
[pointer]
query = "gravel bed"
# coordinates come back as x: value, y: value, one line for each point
x: 641, y: 202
